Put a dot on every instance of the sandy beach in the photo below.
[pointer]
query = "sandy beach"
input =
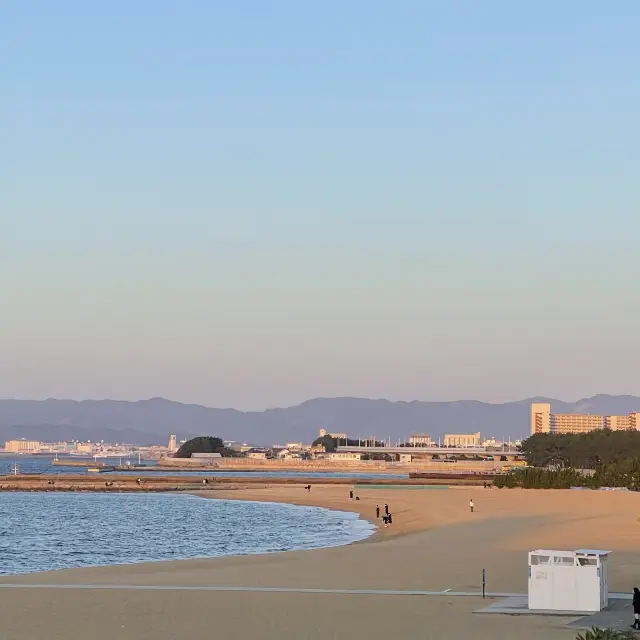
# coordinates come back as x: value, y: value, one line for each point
x: 434, y: 544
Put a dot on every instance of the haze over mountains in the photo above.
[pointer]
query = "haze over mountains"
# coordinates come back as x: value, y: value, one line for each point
x: 150, y: 421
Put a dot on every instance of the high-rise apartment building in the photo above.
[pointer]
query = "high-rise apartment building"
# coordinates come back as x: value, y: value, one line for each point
x: 619, y: 423
x: 543, y: 421
x: 172, y: 443
x: 540, y: 418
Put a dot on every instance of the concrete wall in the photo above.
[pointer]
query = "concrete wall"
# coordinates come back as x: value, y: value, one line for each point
x: 337, y: 465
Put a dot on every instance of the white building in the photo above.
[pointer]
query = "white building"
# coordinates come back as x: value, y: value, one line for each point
x: 340, y: 455
x: 568, y: 580
x: 335, y: 435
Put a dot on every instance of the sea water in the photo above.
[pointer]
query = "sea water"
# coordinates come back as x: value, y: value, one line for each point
x: 46, y: 531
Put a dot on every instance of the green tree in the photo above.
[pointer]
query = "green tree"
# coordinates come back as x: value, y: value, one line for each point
x: 605, y: 634
x: 581, y: 451
x: 330, y: 444
x: 327, y: 442
x: 383, y: 457
x: 203, y: 444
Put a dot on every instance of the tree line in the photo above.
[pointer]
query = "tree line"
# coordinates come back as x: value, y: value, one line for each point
x: 330, y: 444
x: 581, y: 451
x: 205, y: 444
x: 625, y: 474
x: 591, y: 460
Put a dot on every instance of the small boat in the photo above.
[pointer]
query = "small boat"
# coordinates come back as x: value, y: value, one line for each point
x: 104, y: 469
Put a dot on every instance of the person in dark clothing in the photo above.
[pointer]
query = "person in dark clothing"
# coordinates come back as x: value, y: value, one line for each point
x: 386, y: 509
x: 351, y: 494
x: 377, y: 511
x: 389, y: 519
x: 636, y: 608
x: 385, y: 519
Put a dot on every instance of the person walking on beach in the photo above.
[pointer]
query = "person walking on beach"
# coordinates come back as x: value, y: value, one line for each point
x: 351, y: 494
x: 386, y: 509
x: 471, y: 505
x: 385, y: 519
x: 389, y: 519
x: 377, y: 511
x: 636, y: 608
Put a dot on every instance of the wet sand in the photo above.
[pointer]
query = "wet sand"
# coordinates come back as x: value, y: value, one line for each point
x: 434, y: 544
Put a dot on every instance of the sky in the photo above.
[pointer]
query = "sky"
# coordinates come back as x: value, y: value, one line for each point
x: 248, y: 204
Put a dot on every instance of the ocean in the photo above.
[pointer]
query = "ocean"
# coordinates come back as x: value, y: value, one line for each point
x: 46, y: 531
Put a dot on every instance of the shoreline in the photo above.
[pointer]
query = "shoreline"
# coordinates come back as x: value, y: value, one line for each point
x: 322, y: 496
x: 447, y: 550
x: 353, y: 530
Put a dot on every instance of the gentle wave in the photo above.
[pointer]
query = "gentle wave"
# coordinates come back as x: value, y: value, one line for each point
x: 42, y: 532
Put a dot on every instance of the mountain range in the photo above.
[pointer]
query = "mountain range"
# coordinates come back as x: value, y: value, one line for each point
x: 151, y: 421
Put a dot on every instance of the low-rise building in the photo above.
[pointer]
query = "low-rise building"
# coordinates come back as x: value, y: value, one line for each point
x: 22, y: 446
x: 288, y: 454
x: 341, y: 455
x: 420, y: 440
x: 462, y: 439
x: 85, y: 447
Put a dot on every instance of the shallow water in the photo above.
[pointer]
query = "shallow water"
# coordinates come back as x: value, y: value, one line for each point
x: 45, y: 531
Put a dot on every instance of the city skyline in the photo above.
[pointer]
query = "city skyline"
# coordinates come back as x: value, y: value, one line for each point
x: 151, y: 420
x: 247, y: 205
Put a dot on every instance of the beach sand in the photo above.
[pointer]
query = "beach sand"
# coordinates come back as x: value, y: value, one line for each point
x: 435, y: 544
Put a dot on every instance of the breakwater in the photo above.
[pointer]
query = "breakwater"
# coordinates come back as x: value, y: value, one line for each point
x: 156, y: 483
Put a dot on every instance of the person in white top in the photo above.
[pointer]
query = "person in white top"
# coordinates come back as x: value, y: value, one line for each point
x: 471, y: 505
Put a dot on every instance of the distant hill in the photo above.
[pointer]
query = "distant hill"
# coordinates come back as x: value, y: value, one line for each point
x: 151, y: 421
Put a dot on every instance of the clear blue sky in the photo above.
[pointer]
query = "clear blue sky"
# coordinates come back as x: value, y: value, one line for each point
x: 252, y: 203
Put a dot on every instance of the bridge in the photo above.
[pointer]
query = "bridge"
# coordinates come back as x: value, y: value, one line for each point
x: 483, y: 452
